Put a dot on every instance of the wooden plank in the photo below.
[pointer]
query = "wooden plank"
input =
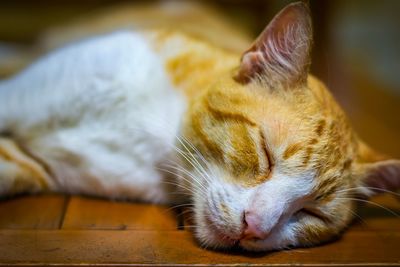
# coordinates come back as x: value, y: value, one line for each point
x: 90, y: 213
x: 32, y: 212
x: 76, y: 247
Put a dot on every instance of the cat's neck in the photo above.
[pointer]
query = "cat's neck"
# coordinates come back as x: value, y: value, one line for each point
x: 191, y: 63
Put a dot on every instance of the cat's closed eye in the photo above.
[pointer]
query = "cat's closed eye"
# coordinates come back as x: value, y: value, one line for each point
x: 268, y: 156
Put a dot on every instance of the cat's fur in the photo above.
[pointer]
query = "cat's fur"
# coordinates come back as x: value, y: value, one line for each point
x: 260, y: 148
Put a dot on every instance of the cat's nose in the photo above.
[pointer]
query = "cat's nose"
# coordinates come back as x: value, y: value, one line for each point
x: 252, y: 226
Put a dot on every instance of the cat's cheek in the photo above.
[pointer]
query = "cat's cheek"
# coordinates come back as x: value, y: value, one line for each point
x: 208, y: 236
x: 201, y: 231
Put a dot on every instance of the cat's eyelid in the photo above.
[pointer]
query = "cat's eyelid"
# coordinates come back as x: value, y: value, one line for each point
x: 265, y: 148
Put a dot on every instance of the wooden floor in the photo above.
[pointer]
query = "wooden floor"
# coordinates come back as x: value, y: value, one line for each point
x: 62, y: 230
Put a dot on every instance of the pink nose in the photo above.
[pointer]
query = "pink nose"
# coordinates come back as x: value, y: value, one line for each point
x: 252, y: 229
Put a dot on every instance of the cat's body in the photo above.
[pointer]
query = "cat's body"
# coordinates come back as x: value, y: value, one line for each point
x: 260, y: 148
x: 86, y: 111
x: 107, y: 125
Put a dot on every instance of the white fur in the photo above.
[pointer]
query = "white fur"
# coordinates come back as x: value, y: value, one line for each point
x: 275, y: 201
x: 93, y: 111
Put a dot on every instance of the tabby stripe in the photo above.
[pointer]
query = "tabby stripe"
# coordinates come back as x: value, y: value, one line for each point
x: 307, y: 156
x: 219, y: 114
x: 320, y: 127
x: 291, y: 150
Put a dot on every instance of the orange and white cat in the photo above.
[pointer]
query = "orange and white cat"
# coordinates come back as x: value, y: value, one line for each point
x: 256, y: 144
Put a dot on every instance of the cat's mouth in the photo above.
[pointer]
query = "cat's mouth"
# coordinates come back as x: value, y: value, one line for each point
x: 225, y: 241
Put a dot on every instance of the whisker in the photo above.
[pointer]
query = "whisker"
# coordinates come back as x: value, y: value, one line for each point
x: 372, y: 203
x: 193, y: 164
x: 371, y: 188
x: 199, y: 155
x: 179, y: 206
x: 179, y: 168
x: 183, y: 187
x: 356, y: 215
x: 183, y: 178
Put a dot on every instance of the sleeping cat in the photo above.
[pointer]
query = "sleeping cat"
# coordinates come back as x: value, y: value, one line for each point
x: 257, y: 145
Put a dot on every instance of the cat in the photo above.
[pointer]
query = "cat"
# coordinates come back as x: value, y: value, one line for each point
x: 256, y: 144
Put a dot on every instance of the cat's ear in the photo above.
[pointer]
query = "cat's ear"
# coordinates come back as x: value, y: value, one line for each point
x: 281, y: 54
x: 376, y: 173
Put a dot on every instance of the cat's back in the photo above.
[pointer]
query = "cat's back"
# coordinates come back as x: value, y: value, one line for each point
x: 81, y: 79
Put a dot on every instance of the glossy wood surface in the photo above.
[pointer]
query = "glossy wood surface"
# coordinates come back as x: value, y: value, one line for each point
x: 59, y: 230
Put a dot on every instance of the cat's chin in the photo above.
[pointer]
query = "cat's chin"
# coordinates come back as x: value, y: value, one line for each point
x: 223, y: 242
x: 211, y: 238
x: 282, y: 237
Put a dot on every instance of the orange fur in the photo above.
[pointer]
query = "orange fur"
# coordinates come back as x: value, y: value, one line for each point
x: 302, y: 129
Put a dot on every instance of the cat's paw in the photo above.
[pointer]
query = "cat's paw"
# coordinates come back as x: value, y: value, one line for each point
x: 19, y: 173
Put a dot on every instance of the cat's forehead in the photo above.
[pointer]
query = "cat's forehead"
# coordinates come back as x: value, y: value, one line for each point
x: 256, y: 103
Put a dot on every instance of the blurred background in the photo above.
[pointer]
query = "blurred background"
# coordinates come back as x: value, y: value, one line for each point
x: 356, y: 47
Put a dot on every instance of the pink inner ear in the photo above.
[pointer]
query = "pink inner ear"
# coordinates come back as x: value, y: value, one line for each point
x: 384, y: 175
x: 251, y: 63
x: 281, y: 52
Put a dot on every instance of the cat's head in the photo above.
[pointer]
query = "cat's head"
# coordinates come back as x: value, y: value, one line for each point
x: 272, y: 160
